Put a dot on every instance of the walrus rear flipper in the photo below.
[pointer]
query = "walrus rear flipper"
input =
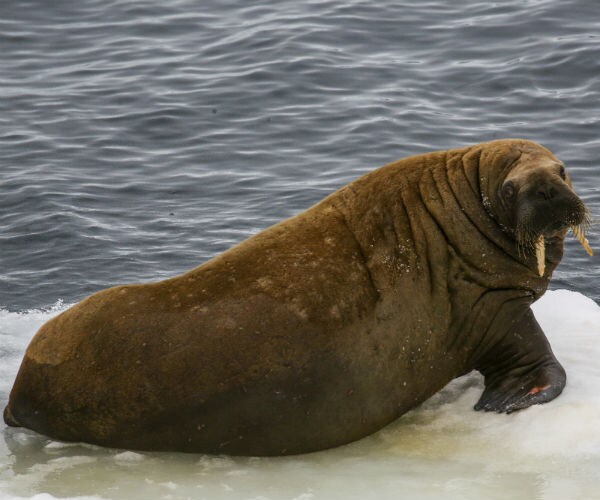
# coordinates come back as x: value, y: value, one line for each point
x: 9, y: 419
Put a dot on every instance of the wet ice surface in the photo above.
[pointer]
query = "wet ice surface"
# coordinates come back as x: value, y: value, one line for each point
x: 443, y: 449
x: 140, y: 138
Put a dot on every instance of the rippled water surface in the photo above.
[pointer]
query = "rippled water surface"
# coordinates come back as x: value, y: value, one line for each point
x: 139, y: 138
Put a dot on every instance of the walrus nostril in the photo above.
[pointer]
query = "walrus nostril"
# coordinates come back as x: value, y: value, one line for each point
x: 547, y: 191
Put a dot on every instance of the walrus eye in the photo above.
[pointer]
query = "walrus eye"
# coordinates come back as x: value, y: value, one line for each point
x: 508, y: 190
x: 562, y: 173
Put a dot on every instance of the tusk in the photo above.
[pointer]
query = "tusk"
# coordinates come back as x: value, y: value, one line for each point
x: 579, y: 234
x: 540, y: 254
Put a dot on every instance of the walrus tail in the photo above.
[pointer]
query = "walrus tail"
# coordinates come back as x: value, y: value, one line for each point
x: 9, y: 419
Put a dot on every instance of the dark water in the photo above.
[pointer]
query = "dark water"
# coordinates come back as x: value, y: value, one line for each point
x: 139, y: 138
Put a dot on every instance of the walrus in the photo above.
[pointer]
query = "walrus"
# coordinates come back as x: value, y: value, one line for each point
x: 326, y: 327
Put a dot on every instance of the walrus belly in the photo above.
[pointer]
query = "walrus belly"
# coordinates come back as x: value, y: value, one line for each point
x: 229, y: 384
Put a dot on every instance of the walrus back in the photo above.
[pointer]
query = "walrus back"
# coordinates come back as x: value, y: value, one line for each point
x: 235, y: 347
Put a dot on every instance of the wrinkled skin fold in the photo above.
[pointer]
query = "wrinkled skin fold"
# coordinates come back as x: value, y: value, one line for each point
x: 327, y: 326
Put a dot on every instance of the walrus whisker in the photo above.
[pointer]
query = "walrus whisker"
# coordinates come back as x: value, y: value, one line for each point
x: 526, y: 238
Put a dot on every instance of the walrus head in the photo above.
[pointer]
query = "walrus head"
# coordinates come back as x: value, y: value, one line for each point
x: 534, y: 198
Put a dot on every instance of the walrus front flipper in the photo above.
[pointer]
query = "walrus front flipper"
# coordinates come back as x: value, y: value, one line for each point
x: 520, y: 370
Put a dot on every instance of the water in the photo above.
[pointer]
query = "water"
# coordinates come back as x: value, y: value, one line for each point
x: 140, y: 138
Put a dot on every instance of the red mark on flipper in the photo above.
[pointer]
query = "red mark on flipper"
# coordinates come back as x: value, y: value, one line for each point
x: 535, y: 390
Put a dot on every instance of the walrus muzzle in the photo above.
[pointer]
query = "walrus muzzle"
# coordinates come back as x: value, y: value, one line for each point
x: 545, y: 212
